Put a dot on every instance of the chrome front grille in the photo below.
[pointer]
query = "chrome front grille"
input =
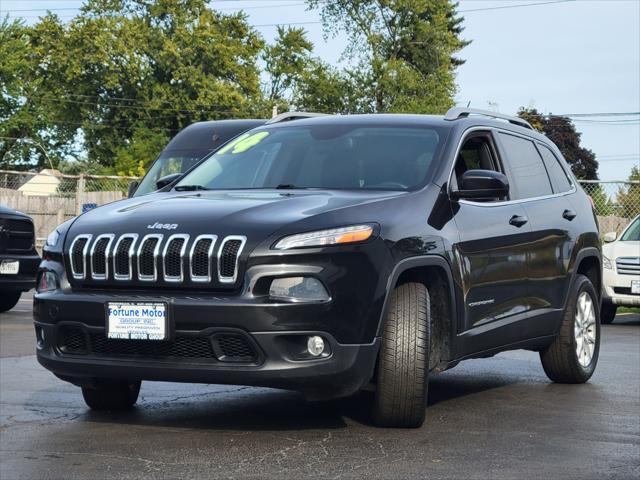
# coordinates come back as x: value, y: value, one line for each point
x: 155, y: 257
x: 628, y: 265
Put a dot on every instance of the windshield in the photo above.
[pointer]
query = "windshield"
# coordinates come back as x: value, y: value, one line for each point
x: 172, y: 161
x: 632, y: 233
x: 321, y: 156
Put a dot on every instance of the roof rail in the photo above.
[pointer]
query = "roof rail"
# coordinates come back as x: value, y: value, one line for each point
x: 463, y: 112
x: 289, y: 116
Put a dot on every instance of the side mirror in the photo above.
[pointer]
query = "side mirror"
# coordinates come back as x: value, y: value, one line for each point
x: 133, y: 186
x: 610, y: 237
x: 167, y: 180
x: 482, y: 184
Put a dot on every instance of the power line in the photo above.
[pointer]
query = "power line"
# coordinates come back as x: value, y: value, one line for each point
x: 503, y: 7
x: 607, y: 114
x: 472, y: 10
x: 248, y: 7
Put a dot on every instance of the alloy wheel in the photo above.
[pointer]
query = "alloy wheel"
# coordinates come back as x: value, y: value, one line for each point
x: 585, y: 329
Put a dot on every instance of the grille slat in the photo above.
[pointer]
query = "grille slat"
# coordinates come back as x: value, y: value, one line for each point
x: 123, y: 258
x: 147, y: 257
x: 628, y: 265
x: 100, y: 257
x: 201, y: 257
x: 172, y: 257
x: 230, y: 250
x: 78, y: 253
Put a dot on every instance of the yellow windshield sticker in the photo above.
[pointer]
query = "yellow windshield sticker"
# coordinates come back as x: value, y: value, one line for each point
x: 233, y: 143
x: 244, y: 142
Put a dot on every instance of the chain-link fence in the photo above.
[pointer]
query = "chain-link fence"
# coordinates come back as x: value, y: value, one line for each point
x: 616, y: 203
x: 50, y: 197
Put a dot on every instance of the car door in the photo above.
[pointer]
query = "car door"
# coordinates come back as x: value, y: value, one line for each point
x: 551, y: 219
x: 491, y: 255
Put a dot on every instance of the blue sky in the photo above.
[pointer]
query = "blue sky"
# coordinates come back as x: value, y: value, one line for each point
x: 562, y: 57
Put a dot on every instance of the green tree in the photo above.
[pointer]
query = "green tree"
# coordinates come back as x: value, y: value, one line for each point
x: 601, y: 200
x: 563, y: 133
x: 629, y: 196
x: 402, y: 52
x: 285, y: 62
x: 28, y: 127
x: 123, y: 69
x: 325, y: 89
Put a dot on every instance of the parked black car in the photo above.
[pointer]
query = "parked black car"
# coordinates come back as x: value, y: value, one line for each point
x: 18, y: 257
x: 330, y: 254
x: 187, y: 148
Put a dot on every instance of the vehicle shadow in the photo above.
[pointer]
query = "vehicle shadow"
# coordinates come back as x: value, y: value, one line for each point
x: 629, y: 319
x: 261, y: 409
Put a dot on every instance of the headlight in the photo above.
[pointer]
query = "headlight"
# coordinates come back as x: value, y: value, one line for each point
x: 52, y: 239
x: 298, y: 289
x: 606, y: 263
x: 334, y: 236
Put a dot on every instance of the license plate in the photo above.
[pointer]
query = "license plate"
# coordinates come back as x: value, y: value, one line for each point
x: 137, y: 321
x: 9, y: 267
x: 635, y: 287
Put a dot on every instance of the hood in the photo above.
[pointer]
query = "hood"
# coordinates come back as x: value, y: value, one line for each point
x: 4, y: 210
x: 242, y: 212
x: 619, y: 248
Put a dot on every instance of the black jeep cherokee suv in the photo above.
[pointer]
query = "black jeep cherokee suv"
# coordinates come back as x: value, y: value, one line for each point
x: 329, y: 254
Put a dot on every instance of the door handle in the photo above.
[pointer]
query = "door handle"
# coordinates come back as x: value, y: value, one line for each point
x: 569, y: 214
x: 518, y: 220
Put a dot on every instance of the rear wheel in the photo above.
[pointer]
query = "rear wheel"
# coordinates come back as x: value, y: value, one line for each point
x: 8, y: 299
x: 401, y: 393
x: 111, y: 394
x: 573, y: 355
x: 608, y: 313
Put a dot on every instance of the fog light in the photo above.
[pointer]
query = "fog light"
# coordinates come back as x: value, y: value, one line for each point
x: 47, y: 282
x: 315, y: 346
x: 298, y: 289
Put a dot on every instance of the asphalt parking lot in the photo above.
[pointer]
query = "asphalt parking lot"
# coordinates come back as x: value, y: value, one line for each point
x: 487, y: 419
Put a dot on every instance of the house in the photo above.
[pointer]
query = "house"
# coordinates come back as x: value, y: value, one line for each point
x: 44, y: 183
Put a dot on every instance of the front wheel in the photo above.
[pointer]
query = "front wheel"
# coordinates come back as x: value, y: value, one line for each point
x: 111, y: 394
x: 8, y: 300
x: 401, y: 393
x: 608, y: 313
x: 573, y: 355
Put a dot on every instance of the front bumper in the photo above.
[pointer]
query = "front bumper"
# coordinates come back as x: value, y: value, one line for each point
x: 26, y: 276
x: 617, y: 289
x: 272, y: 331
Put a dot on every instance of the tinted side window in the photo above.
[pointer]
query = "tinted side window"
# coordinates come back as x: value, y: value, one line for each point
x: 557, y: 174
x: 524, y: 162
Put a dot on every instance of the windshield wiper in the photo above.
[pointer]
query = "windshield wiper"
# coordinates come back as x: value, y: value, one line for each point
x: 288, y: 186
x: 190, y: 188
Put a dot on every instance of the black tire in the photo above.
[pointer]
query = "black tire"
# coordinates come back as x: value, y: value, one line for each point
x: 401, y: 393
x: 8, y: 300
x: 608, y: 313
x: 560, y: 360
x: 111, y: 394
